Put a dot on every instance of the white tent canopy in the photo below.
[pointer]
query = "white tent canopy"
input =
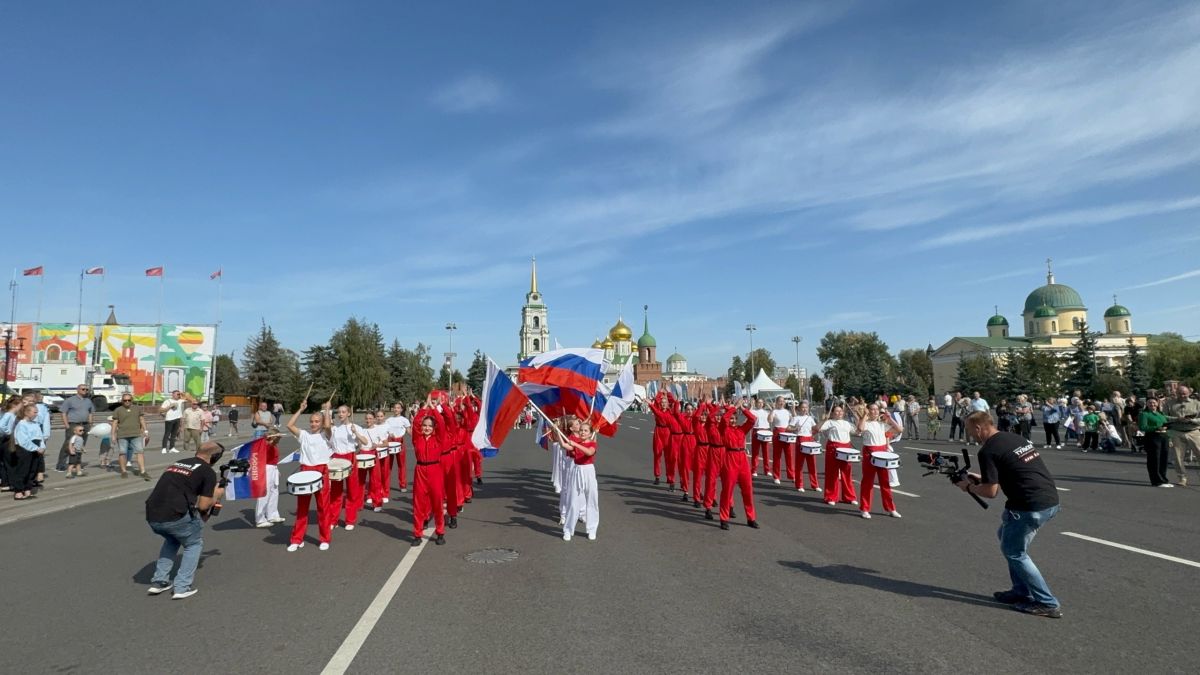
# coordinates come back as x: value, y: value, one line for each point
x: 765, y: 387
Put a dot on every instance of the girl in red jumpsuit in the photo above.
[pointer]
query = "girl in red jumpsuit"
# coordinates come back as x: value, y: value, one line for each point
x: 687, y: 448
x: 716, y: 458
x: 737, y: 468
x: 429, y: 483
x: 662, y: 434
x: 700, y: 457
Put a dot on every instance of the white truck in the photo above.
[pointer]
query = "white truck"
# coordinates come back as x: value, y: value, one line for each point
x: 57, y: 381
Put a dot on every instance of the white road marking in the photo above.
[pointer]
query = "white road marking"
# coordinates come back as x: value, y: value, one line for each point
x: 1062, y: 489
x: 633, y: 427
x: 345, y: 654
x: 1143, y: 551
x: 899, y: 492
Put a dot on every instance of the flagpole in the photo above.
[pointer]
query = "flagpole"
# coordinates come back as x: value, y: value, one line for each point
x: 79, y: 321
x: 212, y: 381
x: 157, y: 335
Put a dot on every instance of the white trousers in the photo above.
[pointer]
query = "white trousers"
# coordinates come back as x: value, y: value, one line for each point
x: 584, y: 500
x: 267, y: 508
x: 568, y: 482
x: 556, y: 456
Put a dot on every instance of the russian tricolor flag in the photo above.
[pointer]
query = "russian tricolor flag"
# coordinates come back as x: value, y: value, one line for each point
x: 501, y: 404
x: 253, y: 483
x: 547, y: 398
x: 580, y: 369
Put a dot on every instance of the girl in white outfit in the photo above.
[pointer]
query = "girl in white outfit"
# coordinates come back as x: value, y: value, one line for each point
x: 584, y: 502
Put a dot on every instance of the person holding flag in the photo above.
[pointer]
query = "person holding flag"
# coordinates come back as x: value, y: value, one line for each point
x: 266, y: 507
x: 316, y: 449
x: 583, y: 492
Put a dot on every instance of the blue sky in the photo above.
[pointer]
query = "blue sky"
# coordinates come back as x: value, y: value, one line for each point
x: 898, y: 167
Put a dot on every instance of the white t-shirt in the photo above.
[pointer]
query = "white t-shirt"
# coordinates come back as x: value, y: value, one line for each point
x: 803, y: 424
x: 172, y: 409
x: 315, y: 449
x: 378, y: 435
x: 837, y: 431
x: 344, y: 440
x: 874, y: 434
x: 398, y: 426
x: 780, y: 418
x: 760, y: 418
x: 947, y: 401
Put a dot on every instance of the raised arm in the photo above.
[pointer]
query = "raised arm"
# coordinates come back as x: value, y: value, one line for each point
x: 291, y: 425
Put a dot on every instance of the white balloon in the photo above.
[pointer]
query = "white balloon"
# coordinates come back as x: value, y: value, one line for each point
x: 102, y: 429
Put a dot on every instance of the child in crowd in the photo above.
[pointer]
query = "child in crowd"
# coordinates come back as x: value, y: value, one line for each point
x: 75, y: 452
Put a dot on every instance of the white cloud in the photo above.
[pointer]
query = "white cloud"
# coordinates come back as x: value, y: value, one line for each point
x: 470, y: 93
x: 1168, y: 280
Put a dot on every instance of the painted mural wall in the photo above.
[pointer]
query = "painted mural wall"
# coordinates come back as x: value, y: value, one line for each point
x: 185, y: 352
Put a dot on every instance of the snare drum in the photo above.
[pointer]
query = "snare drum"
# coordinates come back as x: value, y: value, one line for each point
x: 339, y: 469
x: 395, y: 448
x: 885, y: 460
x: 364, y: 460
x: 763, y: 435
x: 810, y: 448
x: 381, y: 453
x: 787, y: 437
x: 304, y: 482
x: 848, y: 455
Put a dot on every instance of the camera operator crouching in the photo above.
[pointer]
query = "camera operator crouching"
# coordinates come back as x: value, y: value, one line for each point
x: 176, y: 510
x: 1008, y: 463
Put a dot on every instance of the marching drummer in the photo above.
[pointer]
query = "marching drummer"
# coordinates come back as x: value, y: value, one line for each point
x: 874, y: 430
x: 839, y: 484
x: 804, y: 425
x: 397, y: 425
x: 759, y: 445
x: 377, y: 433
x: 779, y: 419
x: 316, y: 448
x: 346, y: 494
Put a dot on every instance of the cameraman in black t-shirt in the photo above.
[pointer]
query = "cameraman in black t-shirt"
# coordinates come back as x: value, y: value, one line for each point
x: 176, y: 510
x: 1008, y: 463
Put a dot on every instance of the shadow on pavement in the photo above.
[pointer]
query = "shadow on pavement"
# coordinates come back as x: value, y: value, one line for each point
x: 531, y: 495
x: 146, y: 574
x: 1100, y: 480
x: 861, y: 576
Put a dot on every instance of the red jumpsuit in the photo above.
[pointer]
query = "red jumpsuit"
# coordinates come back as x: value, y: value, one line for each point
x: 467, y: 450
x: 449, y: 458
x: 661, y: 438
x: 869, y: 472
x: 736, y: 468
x: 429, y: 487
x: 687, y: 450
x: 700, y: 457
x: 675, y: 443
x: 716, y: 456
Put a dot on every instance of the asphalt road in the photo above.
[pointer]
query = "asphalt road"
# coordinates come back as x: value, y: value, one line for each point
x: 661, y: 590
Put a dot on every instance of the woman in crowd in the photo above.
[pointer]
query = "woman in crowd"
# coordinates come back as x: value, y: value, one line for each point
x: 1023, y: 412
x: 933, y: 418
x: 8, y: 425
x: 1153, y: 425
x: 1052, y: 414
x: 28, y: 445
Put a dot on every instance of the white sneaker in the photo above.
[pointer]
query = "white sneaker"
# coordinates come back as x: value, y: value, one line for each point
x: 323, y: 547
x: 866, y: 515
x: 592, y: 537
x: 777, y: 481
x: 264, y: 523
x: 894, y: 514
x: 348, y: 528
x: 386, y: 500
x: 370, y: 503
x: 1045, y: 447
x: 1166, y: 485
x: 277, y: 520
x: 830, y: 503
x: 1058, y: 447
x: 816, y: 489
x: 799, y: 489
x: 174, y: 451
x: 180, y: 595
x: 562, y: 521
x: 566, y: 537
x: 292, y: 548
x: 854, y: 503
x: 755, y: 474
x: 378, y: 509
x: 164, y: 451
x: 404, y: 489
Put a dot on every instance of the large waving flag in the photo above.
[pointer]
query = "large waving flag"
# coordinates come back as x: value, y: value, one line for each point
x: 502, y: 403
x: 621, y: 396
x: 253, y: 483
x: 548, y: 399
x: 573, y: 368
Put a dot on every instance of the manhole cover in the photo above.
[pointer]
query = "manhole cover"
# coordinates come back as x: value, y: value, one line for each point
x: 493, y: 556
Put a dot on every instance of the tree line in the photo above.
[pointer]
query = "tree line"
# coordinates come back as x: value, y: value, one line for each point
x: 355, y: 367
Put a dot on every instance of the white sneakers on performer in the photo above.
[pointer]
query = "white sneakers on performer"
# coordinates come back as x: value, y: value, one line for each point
x: 378, y: 509
x: 755, y: 474
x: 276, y: 520
x: 404, y: 489
x: 592, y: 536
x: 348, y: 529
x: 816, y: 489
x: 370, y: 503
x: 292, y: 548
x: 866, y: 515
x: 854, y: 502
x: 777, y: 481
x: 562, y: 520
x: 566, y: 537
x: 264, y: 523
x: 894, y: 514
x: 324, y: 546
x: 174, y: 451
x: 386, y: 500
x: 799, y: 489
x: 829, y: 502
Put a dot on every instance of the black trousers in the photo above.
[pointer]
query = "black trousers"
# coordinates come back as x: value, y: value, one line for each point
x: 1025, y: 428
x: 1051, y: 433
x: 21, y: 469
x: 1155, y: 445
x: 170, y: 433
x: 956, y: 423
x: 1091, y: 440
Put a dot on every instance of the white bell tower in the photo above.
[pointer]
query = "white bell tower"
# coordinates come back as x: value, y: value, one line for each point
x: 534, y: 333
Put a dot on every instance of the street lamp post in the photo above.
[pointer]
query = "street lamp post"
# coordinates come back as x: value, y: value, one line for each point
x: 450, y: 328
x: 750, y: 328
x: 800, y: 386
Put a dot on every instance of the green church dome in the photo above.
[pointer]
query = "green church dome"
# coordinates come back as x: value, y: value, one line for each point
x: 675, y: 358
x: 1055, y: 296
x: 997, y: 321
x: 1044, y: 312
x: 1116, y: 311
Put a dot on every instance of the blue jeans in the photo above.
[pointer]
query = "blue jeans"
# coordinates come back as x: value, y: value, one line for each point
x: 1017, y: 530
x: 129, y: 446
x: 185, y: 532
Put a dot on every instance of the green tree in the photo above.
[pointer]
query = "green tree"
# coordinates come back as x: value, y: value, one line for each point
x: 477, y: 373
x: 320, y: 370
x: 456, y: 377
x: 737, y: 371
x: 1013, y: 377
x: 1043, y: 370
x: 1137, y: 370
x: 977, y: 373
x: 410, y: 377
x: 915, y: 372
x: 225, y: 374
x: 759, y: 359
x: 359, y: 371
x: 817, y: 385
x: 858, y: 363
x: 1173, y: 358
x: 792, y: 384
x: 269, y: 370
x: 1081, y: 368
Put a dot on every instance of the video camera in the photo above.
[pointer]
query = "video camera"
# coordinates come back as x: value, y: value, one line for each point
x: 237, y: 466
x: 947, y: 465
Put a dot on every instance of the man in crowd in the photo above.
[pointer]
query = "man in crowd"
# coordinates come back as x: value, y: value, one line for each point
x: 947, y: 405
x: 262, y: 421
x: 172, y: 410
x: 193, y: 426
x: 978, y: 404
x: 1183, y: 411
x: 958, y: 410
x: 76, y: 410
x: 176, y: 510
x: 233, y: 421
x: 1010, y: 464
x: 912, y: 416
x: 277, y: 411
x: 130, y: 436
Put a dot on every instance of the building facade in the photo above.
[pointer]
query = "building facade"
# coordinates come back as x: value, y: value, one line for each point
x: 535, y: 329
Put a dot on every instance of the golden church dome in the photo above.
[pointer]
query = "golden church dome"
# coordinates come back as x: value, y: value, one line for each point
x: 620, y: 332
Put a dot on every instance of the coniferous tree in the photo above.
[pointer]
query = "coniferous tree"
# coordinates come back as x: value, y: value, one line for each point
x: 477, y: 373
x: 1013, y: 377
x: 225, y: 372
x: 818, y: 388
x: 359, y: 371
x: 1137, y: 370
x: 1081, y: 369
x: 269, y: 372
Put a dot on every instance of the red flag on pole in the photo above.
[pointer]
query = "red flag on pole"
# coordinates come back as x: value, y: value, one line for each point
x: 215, y: 275
x: 94, y: 270
x: 154, y: 272
x: 33, y: 271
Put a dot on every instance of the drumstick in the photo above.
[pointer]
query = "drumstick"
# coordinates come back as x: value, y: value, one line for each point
x: 310, y: 387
